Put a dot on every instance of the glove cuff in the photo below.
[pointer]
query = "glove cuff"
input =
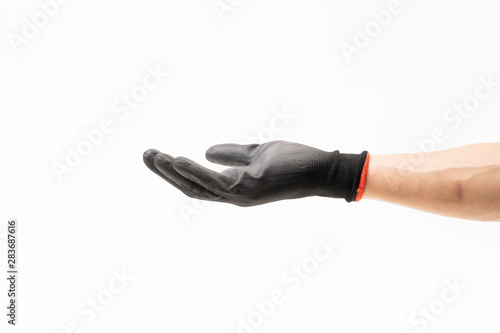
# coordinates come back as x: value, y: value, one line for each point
x: 345, y: 175
x: 362, y: 179
x: 353, y: 165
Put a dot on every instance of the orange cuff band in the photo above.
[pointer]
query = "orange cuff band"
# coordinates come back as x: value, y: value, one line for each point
x: 362, y: 180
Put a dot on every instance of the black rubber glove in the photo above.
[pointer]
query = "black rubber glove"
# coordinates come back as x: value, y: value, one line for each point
x: 262, y: 173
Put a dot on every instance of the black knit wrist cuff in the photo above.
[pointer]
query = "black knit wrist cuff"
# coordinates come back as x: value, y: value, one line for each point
x: 351, y: 166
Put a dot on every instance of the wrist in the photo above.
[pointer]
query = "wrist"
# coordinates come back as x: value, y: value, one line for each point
x: 385, y: 176
x: 346, y: 173
x: 363, y: 178
x: 353, y: 166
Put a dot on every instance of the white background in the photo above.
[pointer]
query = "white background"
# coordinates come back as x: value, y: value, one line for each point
x: 227, y: 78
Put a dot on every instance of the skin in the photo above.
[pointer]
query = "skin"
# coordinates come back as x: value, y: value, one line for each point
x: 460, y: 182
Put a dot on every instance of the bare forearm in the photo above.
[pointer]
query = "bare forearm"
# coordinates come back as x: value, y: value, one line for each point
x: 460, y: 182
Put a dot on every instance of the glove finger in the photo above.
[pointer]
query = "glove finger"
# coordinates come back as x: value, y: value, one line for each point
x: 231, y: 154
x: 148, y: 158
x: 209, y: 179
x: 163, y: 163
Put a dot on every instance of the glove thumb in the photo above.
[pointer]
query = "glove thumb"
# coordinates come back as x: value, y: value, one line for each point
x: 231, y: 154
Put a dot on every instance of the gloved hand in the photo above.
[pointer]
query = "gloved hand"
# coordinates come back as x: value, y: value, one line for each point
x: 264, y: 173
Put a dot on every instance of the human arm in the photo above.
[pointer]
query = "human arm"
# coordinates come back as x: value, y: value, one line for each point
x: 460, y: 182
